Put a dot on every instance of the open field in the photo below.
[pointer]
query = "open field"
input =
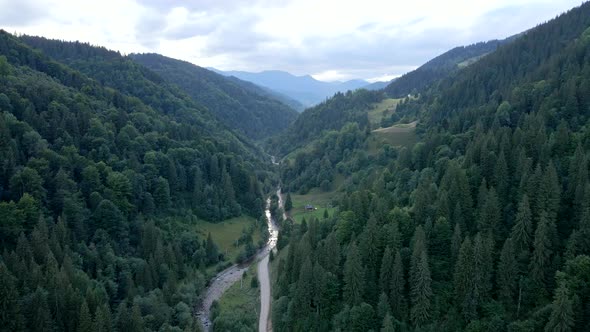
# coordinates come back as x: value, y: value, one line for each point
x: 396, y: 135
x: 227, y: 232
x: 387, y: 106
x: 319, y: 199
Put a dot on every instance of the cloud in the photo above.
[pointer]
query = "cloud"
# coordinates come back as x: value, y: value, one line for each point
x: 19, y: 13
x: 331, y: 39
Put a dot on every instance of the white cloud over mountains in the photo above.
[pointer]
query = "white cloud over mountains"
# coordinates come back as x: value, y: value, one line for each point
x: 326, y: 38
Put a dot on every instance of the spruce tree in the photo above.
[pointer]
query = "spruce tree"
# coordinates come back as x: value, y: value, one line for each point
x: 387, y: 325
x: 353, y: 277
x: 562, y: 314
x: 421, y: 293
x: 464, y: 280
x: 136, y: 323
x: 522, y: 229
x: 288, y: 203
x: 386, y: 271
x: 11, y: 318
x: 397, y: 286
x: 507, y: 273
x: 84, y: 319
x: 541, y: 257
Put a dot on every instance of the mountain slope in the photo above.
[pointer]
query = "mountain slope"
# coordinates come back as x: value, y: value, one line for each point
x: 240, y: 105
x: 100, y: 190
x: 440, y: 67
x: 305, y: 89
x: 483, y: 224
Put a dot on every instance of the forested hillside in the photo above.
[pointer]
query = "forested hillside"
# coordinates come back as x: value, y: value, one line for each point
x: 332, y: 114
x: 483, y: 225
x: 240, y: 105
x: 441, y: 67
x: 103, y: 173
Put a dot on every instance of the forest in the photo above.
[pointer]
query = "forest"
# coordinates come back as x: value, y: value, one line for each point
x: 481, y: 225
x: 109, y: 162
x: 105, y: 169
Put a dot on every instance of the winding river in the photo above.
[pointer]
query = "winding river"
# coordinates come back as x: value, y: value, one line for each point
x: 224, y: 279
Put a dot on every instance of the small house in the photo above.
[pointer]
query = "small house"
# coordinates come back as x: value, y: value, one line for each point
x: 309, y: 207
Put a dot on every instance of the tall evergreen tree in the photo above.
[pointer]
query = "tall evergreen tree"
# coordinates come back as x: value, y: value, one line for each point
x: 353, y: 277
x: 507, y: 273
x: 522, y: 229
x: 397, y: 286
x: 541, y: 257
x: 85, y: 319
x: 387, y: 325
x: 421, y: 293
x: 288, y: 202
x: 386, y: 272
x: 562, y: 315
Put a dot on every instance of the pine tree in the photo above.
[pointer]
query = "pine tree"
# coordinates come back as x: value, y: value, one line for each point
x: 353, y: 277
x: 522, y: 229
x: 456, y: 242
x: 387, y: 324
x: 464, y: 279
x: 288, y: 202
x: 398, y: 284
x: 11, y: 318
x: 421, y: 293
x: 541, y: 257
x: 386, y: 271
x: 418, y: 246
x: 84, y: 319
x: 383, y: 307
x: 507, y: 273
x: 136, y: 323
x: 562, y: 314
x: 483, y: 266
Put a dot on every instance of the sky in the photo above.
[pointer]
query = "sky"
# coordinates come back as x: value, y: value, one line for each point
x: 329, y: 39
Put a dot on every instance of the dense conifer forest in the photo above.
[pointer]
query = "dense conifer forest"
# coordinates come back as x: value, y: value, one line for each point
x: 482, y: 223
x: 104, y: 170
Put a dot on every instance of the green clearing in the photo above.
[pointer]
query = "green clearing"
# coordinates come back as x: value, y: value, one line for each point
x: 396, y: 135
x: 241, y: 301
x: 319, y: 199
x: 385, y: 107
x: 226, y: 233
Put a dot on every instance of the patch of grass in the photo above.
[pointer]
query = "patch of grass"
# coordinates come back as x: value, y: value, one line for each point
x: 319, y: 199
x: 226, y: 233
x: 385, y: 107
x: 241, y: 301
x: 396, y: 135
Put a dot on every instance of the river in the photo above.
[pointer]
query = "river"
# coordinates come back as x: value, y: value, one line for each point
x: 224, y: 279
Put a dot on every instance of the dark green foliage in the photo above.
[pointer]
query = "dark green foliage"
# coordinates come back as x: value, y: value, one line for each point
x: 488, y: 213
x: 238, y: 104
x: 561, y: 319
x: 288, y: 202
x: 440, y: 67
x: 103, y: 170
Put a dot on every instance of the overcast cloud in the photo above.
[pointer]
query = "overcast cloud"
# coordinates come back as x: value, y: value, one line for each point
x: 332, y: 39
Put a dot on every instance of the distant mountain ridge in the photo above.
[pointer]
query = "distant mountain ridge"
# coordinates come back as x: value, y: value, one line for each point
x: 241, y: 105
x: 305, y: 89
x: 442, y: 66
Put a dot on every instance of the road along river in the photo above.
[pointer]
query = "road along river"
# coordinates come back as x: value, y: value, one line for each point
x: 224, y: 279
x: 264, y: 323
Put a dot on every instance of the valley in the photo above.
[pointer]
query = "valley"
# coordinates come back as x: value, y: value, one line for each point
x: 139, y: 192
